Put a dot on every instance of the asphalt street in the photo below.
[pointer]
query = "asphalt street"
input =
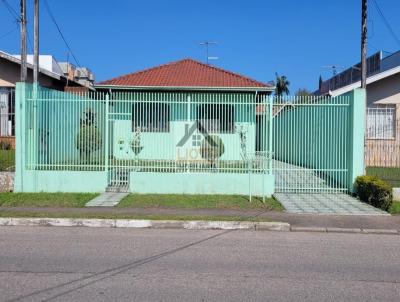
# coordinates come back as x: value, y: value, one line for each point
x: 103, y: 264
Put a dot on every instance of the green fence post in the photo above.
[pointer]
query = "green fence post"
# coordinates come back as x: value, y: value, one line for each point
x: 356, y: 136
x: 20, y: 101
x: 270, y: 133
x: 35, y: 133
x: 106, y: 138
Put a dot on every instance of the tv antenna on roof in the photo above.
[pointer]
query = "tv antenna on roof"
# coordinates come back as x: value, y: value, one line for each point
x: 334, y: 68
x: 207, y: 44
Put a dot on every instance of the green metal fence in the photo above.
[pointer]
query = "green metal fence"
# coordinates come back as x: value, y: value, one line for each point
x: 64, y: 131
x: 309, y: 144
x: 145, y: 131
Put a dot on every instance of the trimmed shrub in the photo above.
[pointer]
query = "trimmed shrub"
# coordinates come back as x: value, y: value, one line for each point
x: 212, y: 148
x: 374, y: 191
x: 88, y: 141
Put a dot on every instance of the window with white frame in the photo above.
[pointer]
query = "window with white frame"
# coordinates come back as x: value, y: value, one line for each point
x: 381, y: 122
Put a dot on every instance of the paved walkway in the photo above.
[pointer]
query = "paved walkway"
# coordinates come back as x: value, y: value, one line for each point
x: 341, y: 204
x: 297, y: 220
x: 296, y: 177
x: 107, y: 199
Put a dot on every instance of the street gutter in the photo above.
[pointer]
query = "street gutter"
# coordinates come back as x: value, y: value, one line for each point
x: 184, y: 224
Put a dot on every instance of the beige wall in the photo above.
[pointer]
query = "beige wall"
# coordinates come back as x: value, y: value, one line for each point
x: 385, y: 91
x: 384, y: 152
x: 10, y: 74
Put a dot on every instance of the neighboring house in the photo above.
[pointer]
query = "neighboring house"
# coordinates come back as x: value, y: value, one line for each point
x: 383, y: 106
x: 51, y: 76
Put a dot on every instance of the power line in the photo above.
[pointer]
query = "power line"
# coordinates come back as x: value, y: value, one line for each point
x: 61, y: 34
x: 386, y: 22
x: 17, y: 18
x: 11, y: 10
x: 9, y: 32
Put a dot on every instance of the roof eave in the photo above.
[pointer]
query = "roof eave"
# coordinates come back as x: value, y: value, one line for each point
x: 371, y: 79
x: 43, y: 71
x: 186, y: 88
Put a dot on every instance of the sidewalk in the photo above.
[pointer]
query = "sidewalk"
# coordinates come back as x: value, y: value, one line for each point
x: 295, y: 220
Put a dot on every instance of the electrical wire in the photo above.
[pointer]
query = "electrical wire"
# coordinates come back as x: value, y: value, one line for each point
x: 52, y: 17
x: 9, y: 32
x: 386, y: 22
x: 11, y: 10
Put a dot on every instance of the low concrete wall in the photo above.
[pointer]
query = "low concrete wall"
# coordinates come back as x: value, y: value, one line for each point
x: 7, y: 181
x: 62, y: 181
x: 396, y: 194
x: 201, y: 183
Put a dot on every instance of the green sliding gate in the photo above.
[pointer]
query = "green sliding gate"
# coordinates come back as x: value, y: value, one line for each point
x: 310, y: 144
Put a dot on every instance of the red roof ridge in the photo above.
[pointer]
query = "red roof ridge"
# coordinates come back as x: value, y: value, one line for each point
x: 144, y: 70
x: 228, y: 72
x: 125, y: 78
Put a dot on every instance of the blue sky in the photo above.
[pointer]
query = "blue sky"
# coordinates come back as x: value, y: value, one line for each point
x: 255, y: 37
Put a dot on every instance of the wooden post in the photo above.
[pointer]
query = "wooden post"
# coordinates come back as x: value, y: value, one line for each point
x: 36, y: 43
x: 23, y: 41
x: 364, y: 44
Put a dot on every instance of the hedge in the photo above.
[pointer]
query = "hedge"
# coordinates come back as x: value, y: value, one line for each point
x: 374, y: 191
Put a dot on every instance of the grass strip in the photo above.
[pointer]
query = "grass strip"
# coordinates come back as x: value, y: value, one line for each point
x: 198, y: 202
x: 69, y: 200
x: 18, y: 214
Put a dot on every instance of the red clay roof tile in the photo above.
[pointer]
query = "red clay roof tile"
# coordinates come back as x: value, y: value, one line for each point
x: 184, y: 73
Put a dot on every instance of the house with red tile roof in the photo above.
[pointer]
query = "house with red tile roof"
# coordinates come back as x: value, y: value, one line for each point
x: 187, y: 128
x: 186, y: 74
x: 170, y: 112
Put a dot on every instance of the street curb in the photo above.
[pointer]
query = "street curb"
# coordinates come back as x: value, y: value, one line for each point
x: 308, y: 229
x: 153, y: 224
x: 345, y: 230
x: 186, y: 224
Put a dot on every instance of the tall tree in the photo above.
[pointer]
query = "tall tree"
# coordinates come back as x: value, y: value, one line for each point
x: 282, y: 85
x: 303, y: 92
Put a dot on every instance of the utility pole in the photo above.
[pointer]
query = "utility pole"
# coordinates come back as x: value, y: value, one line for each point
x: 36, y: 43
x: 23, y: 41
x: 364, y: 44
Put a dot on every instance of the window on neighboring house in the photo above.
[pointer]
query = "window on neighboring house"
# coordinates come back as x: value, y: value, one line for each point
x: 216, y: 118
x: 150, y: 117
x: 381, y: 122
x: 7, y: 112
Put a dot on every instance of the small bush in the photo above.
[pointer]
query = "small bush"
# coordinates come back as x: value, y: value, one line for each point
x: 374, y: 191
x: 212, y: 148
x: 5, y: 145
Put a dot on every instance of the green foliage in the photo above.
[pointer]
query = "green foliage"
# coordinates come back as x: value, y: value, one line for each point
x: 303, y: 92
x: 374, y: 191
x: 388, y: 174
x: 212, y: 148
x: 194, y: 201
x: 45, y: 199
x: 88, y: 140
x: 5, y: 145
x: 7, y: 160
x: 282, y: 85
x: 395, y: 208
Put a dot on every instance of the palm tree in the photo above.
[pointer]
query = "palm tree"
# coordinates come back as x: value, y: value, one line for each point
x: 282, y: 85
